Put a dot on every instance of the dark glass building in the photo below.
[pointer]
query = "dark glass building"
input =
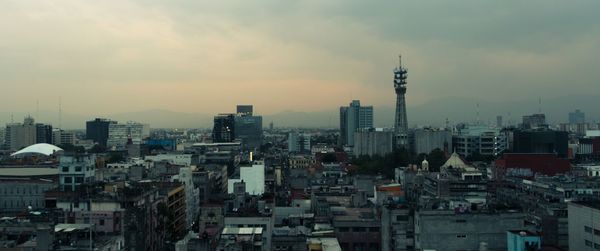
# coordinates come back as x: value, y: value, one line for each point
x: 97, y: 130
x: 248, y: 129
x: 223, y: 128
x: 43, y: 133
x: 541, y: 141
x: 245, y: 109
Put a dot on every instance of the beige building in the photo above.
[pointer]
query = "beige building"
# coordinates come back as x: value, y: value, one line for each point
x: 19, y: 135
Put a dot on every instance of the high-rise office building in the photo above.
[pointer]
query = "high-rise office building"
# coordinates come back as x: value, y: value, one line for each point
x: 43, y: 133
x: 401, y: 123
x: 97, y: 130
x: 248, y: 130
x: 298, y: 142
x: 19, y: 135
x: 576, y: 117
x: 534, y: 121
x: 61, y: 137
x: 119, y: 135
x: 352, y: 118
x: 223, y: 128
x: 245, y: 110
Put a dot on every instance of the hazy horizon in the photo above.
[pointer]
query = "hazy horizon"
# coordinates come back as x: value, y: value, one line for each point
x: 113, y: 57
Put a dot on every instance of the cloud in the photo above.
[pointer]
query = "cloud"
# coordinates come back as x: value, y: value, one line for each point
x: 206, y: 56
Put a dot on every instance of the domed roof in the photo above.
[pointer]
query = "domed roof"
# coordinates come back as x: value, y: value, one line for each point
x: 42, y: 148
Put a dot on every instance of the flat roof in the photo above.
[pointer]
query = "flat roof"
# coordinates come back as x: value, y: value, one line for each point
x: 523, y: 232
x: 242, y: 230
x: 28, y: 171
x: 591, y: 204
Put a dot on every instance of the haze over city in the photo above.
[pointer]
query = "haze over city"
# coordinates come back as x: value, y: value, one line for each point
x: 109, y: 57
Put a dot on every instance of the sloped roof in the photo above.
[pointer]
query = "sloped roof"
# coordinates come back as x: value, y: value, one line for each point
x: 42, y: 148
x: 455, y: 162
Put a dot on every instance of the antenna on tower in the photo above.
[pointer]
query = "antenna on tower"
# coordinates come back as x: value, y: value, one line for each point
x: 399, y: 61
x: 12, y: 118
x: 60, y: 112
x: 540, y: 105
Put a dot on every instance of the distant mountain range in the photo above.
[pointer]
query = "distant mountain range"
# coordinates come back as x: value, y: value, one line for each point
x: 433, y: 113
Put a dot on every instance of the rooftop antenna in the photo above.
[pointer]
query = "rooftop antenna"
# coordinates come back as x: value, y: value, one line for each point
x: 478, y: 114
x: 37, y: 109
x: 540, y: 105
x: 12, y: 118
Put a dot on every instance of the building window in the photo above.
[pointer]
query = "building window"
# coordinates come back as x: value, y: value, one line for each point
x: 401, y: 217
x: 596, y: 246
x: 343, y: 229
x: 588, y: 243
x: 461, y: 236
x: 78, y: 180
x: 358, y: 229
x: 68, y: 180
x: 78, y: 169
x: 101, y: 222
x: 461, y: 221
x: 65, y: 169
x: 374, y: 229
x: 587, y: 229
x: 596, y: 231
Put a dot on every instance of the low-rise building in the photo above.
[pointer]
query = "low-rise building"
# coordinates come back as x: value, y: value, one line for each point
x: 584, y: 226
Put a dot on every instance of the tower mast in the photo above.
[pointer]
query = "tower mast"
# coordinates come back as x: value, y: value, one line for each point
x: 401, y: 123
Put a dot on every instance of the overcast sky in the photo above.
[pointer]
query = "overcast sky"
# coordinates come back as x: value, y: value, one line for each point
x: 206, y: 56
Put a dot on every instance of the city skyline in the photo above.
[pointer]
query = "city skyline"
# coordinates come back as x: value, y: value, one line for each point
x: 182, y: 56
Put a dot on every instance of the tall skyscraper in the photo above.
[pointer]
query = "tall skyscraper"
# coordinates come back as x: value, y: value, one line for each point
x: 19, y: 135
x: 352, y: 118
x: 576, y: 117
x: 401, y: 123
x: 223, y: 128
x: 248, y: 130
x: 43, y: 133
x: 97, y: 130
x: 242, y: 126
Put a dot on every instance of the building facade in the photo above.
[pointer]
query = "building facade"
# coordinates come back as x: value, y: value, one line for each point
x: 97, y: 130
x: 19, y: 135
x: 119, y: 135
x: 373, y: 142
x: 584, y: 226
x: 427, y: 139
x: 480, y: 140
x: 223, y: 128
x: 576, y: 117
x: 352, y: 118
x: 248, y: 130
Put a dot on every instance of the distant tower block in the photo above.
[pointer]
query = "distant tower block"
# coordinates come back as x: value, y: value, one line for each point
x: 401, y: 124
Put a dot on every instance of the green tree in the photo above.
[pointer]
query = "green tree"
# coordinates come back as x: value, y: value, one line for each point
x: 436, y: 159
